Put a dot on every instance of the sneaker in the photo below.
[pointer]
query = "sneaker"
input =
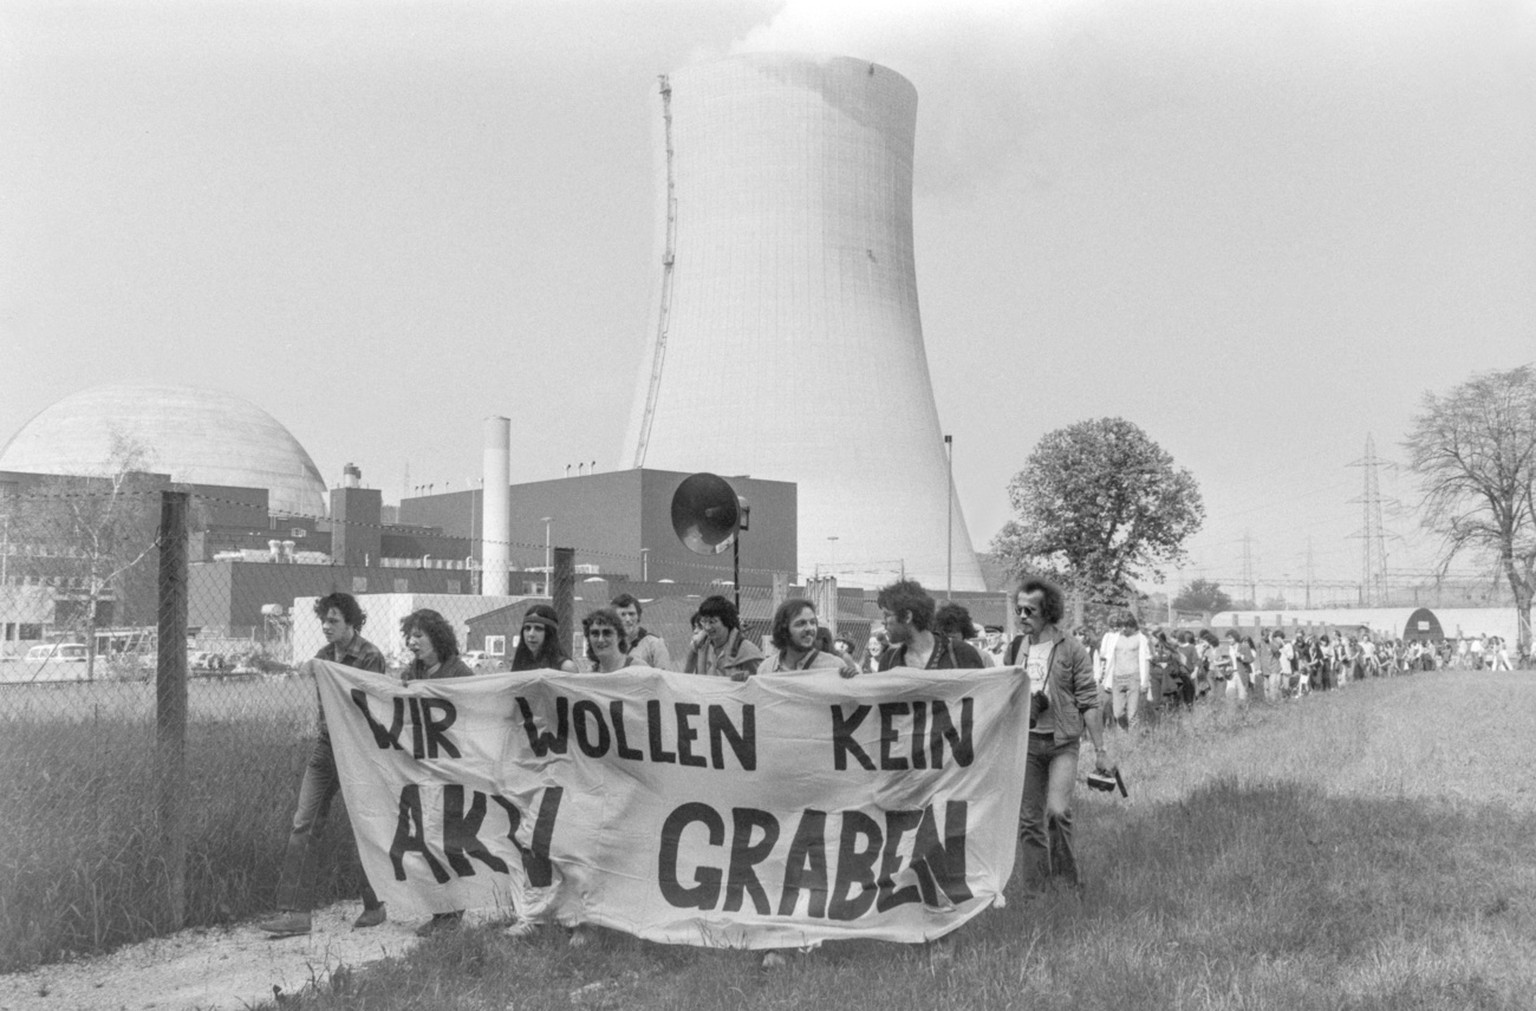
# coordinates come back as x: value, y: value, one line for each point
x: 774, y: 960
x: 441, y: 922
x: 369, y: 917
x: 288, y: 923
x: 519, y: 929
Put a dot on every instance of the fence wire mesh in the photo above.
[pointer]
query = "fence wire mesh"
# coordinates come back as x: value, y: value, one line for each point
x: 85, y: 861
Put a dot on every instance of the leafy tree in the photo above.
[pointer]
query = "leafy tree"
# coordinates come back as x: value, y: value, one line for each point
x: 1474, y: 449
x: 1202, y: 595
x: 1100, y: 505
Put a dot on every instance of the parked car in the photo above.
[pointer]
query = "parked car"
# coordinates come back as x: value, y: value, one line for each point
x: 205, y: 660
x: 55, y: 661
x: 58, y: 652
x: 482, y: 662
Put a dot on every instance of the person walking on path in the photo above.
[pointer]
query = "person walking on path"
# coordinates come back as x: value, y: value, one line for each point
x: 1064, y: 705
x: 1126, y: 657
x: 341, y: 622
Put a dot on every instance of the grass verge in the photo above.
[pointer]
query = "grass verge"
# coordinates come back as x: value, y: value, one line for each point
x: 80, y: 865
x: 1373, y: 848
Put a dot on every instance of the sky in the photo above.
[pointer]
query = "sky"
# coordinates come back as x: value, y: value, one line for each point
x: 1259, y: 230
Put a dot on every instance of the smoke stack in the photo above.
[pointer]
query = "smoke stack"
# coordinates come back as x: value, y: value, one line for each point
x: 787, y: 210
x: 351, y: 476
x: 496, y: 511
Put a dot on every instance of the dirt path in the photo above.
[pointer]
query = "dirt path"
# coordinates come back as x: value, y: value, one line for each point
x: 221, y: 969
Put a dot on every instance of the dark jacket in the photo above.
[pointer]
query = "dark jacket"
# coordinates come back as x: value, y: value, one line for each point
x: 946, y: 656
x: 451, y: 668
x: 1069, y: 683
x: 359, y: 653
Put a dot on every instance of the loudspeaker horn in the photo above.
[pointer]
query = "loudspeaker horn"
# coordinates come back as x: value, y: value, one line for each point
x: 707, y: 513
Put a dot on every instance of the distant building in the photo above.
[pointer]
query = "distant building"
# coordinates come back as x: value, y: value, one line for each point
x: 620, y: 522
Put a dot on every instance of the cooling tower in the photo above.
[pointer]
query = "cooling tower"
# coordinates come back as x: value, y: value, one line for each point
x: 788, y: 343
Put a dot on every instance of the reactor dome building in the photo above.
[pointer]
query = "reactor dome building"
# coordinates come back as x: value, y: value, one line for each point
x: 787, y: 342
x: 194, y: 435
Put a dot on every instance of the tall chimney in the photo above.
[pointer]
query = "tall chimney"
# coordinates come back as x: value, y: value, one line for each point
x: 496, y: 511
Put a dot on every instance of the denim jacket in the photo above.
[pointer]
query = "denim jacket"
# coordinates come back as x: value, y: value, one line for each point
x: 1069, y: 683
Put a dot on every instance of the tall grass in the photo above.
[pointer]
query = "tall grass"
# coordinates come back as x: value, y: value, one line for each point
x: 80, y: 863
x: 1373, y: 848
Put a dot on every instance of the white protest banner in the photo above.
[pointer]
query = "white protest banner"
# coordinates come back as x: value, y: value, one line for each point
x: 776, y: 812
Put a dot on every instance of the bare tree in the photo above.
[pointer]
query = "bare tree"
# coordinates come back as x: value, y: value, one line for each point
x: 1474, y: 449
x: 92, y: 535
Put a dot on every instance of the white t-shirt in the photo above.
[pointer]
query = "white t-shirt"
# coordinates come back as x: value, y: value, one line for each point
x: 1039, y: 656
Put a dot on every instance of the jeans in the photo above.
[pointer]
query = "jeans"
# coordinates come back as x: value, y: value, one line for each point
x: 1045, y: 818
x: 296, y: 886
x: 1127, y: 695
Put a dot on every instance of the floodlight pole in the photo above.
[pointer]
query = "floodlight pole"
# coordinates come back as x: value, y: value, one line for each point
x: 549, y: 565
x: 949, y: 529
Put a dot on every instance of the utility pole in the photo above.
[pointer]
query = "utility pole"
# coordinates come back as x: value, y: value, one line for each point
x: 1248, y: 578
x: 1309, y: 572
x: 1373, y: 560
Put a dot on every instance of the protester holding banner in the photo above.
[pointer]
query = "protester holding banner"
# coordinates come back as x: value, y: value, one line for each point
x: 341, y: 622
x: 1064, y: 704
x: 907, y: 611
x: 718, y: 648
x: 538, y: 648
x: 434, y: 645
x: 773, y: 814
x: 607, y: 647
x: 432, y: 641
x: 795, y: 628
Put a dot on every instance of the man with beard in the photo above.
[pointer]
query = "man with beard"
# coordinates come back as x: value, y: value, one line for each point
x: 794, y: 634
x: 907, y: 611
x: 1064, y: 704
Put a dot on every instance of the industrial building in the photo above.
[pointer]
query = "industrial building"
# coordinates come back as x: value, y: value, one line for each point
x: 619, y: 523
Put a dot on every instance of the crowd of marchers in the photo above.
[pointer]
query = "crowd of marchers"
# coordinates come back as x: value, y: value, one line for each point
x: 1139, y: 668
x: 1078, y: 683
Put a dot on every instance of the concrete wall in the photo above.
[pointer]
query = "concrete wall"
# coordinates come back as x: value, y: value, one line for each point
x: 223, y: 594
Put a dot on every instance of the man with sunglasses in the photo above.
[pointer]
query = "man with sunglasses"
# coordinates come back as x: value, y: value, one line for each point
x: 1064, y: 704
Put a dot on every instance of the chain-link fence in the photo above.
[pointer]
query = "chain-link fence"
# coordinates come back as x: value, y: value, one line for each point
x: 153, y: 722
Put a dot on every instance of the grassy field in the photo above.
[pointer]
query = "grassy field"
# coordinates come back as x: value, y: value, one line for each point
x: 80, y: 869
x: 1373, y: 848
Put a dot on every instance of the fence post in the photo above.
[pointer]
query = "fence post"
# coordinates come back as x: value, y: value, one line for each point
x: 171, y: 702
